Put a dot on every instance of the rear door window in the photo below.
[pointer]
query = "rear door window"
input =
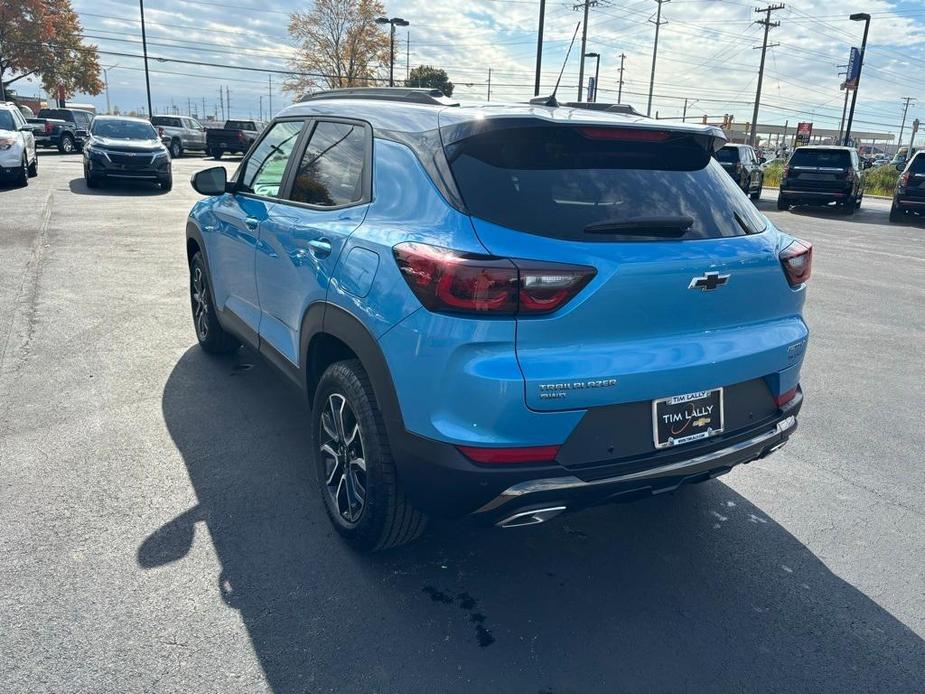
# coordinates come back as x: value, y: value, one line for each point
x: 332, y: 173
x: 581, y: 184
x: 728, y: 155
x: 824, y: 158
x: 264, y: 169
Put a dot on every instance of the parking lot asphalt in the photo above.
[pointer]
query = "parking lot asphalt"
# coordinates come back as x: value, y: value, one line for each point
x: 160, y: 530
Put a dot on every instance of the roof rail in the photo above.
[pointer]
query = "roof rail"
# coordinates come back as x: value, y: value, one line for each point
x: 412, y: 95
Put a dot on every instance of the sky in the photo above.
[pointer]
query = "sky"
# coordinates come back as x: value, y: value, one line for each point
x: 706, y: 53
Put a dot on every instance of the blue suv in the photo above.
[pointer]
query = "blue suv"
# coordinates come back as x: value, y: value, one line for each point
x: 501, y: 311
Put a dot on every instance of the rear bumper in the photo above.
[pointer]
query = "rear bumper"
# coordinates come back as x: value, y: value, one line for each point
x: 815, y: 195
x: 441, y: 481
x: 911, y: 203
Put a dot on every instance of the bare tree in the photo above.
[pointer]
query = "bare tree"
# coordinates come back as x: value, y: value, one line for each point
x: 339, y: 44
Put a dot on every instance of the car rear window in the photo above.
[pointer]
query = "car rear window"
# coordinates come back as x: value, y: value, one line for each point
x: 166, y: 121
x: 917, y: 165
x: 728, y: 155
x: 832, y: 158
x: 576, y: 182
x: 239, y: 125
x: 56, y: 114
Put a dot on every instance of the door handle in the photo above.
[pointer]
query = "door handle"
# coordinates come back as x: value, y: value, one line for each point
x: 321, y: 248
x: 251, y: 223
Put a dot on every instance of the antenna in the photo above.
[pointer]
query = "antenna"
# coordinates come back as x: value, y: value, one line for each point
x: 551, y: 99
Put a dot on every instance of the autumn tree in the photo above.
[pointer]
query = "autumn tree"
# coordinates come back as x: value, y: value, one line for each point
x: 430, y: 77
x: 339, y: 45
x: 42, y: 38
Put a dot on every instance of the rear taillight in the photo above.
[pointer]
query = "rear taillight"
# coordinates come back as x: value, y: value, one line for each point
x: 454, y: 282
x: 49, y: 128
x: 502, y: 456
x: 904, y: 179
x: 797, y: 259
x: 241, y: 135
x: 784, y: 398
x: 785, y: 172
x: 160, y: 132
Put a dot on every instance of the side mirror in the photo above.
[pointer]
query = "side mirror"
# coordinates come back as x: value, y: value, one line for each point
x: 212, y: 181
x: 900, y: 167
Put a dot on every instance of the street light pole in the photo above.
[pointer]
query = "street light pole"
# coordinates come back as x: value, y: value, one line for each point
x: 393, y: 22
x: 144, y: 48
x: 597, y: 73
x: 106, y: 80
x: 857, y: 17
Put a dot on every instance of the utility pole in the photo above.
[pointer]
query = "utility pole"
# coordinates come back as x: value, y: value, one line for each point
x: 261, y: 106
x: 228, y: 100
x: 144, y: 47
x: 270, y: 95
x: 620, y: 88
x: 539, y: 48
x: 768, y: 25
x: 907, y: 100
x: 489, y: 84
x: 221, y: 102
x: 658, y: 22
x: 587, y: 5
x: 408, y: 55
x: 915, y: 129
x: 203, y: 107
x: 841, y: 125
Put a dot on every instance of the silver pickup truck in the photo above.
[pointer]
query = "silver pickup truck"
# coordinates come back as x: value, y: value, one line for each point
x: 180, y: 133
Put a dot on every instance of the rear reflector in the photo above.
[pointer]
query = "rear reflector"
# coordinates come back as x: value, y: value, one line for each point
x: 784, y: 398
x: 797, y: 260
x: 626, y: 134
x: 451, y: 281
x: 501, y: 456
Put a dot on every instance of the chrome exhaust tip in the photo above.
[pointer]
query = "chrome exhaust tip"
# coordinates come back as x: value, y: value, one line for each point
x: 539, y: 515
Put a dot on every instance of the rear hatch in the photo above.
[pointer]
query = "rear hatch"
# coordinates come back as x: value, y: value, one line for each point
x: 819, y: 169
x: 689, y: 293
x: 915, y: 185
x: 728, y: 158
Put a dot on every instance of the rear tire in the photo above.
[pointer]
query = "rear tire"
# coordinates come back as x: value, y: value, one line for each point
x: 896, y: 213
x: 783, y: 203
x: 215, y: 154
x: 66, y: 146
x: 353, y: 461
x: 166, y: 184
x: 757, y: 194
x: 850, y: 206
x: 212, y: 337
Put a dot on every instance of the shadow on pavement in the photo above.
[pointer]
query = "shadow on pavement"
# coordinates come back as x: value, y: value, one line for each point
x: 696, y: 591
x: 78, y: 186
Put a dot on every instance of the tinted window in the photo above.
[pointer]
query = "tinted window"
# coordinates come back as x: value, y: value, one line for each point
x: 833, y: 158
x: 728, y: 155
x: 917, y: 165
x: 560, y: 181
x: 239, y: 125
x: 264, y: 169
x: 6, y: 120
x: 123, y: 130
x: 331, y: 172
x: 56, y: 113
x: 166, y: 121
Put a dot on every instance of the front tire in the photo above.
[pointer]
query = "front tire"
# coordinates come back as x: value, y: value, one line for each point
x: 22, y: 178
x: 757, y: 194
x: 353, y: 461
x: 215, y: 154
x: 34, y: 167
x: 166, y: 184
x: 212, y: 337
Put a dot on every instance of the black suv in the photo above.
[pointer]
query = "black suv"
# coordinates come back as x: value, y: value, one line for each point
x: 910, y: 189
x: 818, y: 175
x: 741, y: 162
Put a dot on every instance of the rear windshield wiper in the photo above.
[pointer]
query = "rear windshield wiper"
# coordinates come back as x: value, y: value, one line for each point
x: 675, y: 225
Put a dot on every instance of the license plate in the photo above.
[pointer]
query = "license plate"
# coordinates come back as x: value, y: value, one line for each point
x: 684, y: 418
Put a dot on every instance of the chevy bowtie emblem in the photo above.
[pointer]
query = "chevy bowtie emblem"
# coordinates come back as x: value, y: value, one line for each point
x: 708, y: 281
